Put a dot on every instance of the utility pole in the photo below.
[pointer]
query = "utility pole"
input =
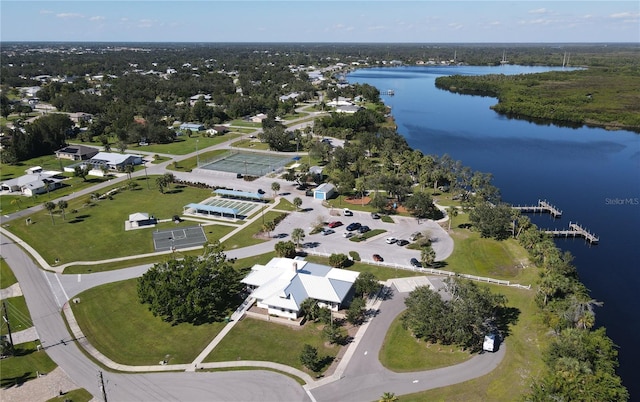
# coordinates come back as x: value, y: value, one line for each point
x: 197, y: 155
x: 6, y: 319
x: 102, y: 389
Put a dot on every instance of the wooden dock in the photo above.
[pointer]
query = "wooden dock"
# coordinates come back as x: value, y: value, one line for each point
x: 543, y: 206
x: 388, y: 92
x: 575, y: 230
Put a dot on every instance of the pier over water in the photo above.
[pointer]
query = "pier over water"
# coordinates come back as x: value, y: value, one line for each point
x: 543, y: 206
x: 575, y: 230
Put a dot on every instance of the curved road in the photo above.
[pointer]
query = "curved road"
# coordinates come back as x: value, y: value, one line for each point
x: 364, y: 378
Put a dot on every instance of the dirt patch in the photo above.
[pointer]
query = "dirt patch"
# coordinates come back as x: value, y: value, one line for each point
x: 357, y: 200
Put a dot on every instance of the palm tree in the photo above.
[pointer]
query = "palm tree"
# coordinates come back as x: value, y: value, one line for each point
x: 297, y: 201
x: 62, y: 205
x: 427, y: 256
x: 275, y: 186
x: 452, y: 211
x: 297, y: 235
x: 268, y: 227
x: 50, y: 206
x: 128, y: 169
x: 169, y: 178
x: 161, y: 183
x: 388, y: 397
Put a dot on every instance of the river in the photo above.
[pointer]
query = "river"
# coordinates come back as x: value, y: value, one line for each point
x: 591, y: 174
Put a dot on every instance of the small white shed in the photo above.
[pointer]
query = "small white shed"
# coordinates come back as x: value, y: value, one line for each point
x: 324, y: 191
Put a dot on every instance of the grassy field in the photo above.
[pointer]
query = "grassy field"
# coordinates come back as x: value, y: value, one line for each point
x: 401, y: 352
x: 252, y: 339
x: 18, y: 314
x: 25, y: 365
x: 98, y: 230
x: 250, y: 144
x: 113, y: 320
x: 187, y: 165
x: 248, y: 235
x: 7, y: 278
x: 184, y: 145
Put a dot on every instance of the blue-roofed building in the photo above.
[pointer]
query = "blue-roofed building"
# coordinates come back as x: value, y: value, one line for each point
x: 284, y: 283
x: 191, y: 127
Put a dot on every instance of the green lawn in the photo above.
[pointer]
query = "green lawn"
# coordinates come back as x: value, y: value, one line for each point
x: 77, y: 395
x: 248, y: 235
x: 18, y: 314
x: 401, y: 352
x: 252, y: 339
x: 521, y: 363
x: 244, y: 123
x: 184, y: 145
x: 187, y: 165
x: 7, y: 278
x: 250, y: 144
x: 97, y: 232
x: 113, y: 320
x: 25, y: 365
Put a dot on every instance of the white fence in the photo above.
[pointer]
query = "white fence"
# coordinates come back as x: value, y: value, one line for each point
x: 432, y: 271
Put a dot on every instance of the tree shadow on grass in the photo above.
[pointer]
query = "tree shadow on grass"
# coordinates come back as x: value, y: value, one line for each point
x: 173, y: 191
x: 17, y: 381
x: 506, y: 317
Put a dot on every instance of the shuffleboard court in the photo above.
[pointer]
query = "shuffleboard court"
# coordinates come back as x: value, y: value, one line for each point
x: 184, y: 237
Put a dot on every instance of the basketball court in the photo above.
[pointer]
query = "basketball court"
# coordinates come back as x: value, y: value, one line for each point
x: 174, y: 239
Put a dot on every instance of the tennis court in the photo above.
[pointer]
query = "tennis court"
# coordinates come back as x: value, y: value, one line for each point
x: 247, y: 163
x: 184, y: 237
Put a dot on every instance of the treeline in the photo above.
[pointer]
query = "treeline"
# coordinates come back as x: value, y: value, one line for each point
x: 605, y: 97
x: 581, y: 362
x: 42, y: 137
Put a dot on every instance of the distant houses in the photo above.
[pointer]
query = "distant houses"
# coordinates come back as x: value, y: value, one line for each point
x: 36, y: 181
x: 76, y: 152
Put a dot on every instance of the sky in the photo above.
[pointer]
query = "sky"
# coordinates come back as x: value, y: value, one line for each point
x: 373, y: 21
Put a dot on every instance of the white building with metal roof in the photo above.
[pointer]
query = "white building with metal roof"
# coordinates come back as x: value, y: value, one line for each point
x: 284, y: 283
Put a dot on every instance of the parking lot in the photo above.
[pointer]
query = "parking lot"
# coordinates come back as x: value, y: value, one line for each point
x: 391, y: 253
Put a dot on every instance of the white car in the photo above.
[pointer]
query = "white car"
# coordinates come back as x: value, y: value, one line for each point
x: 390, y: 240
x: 347, y: 234
x: 328, y: 232
x: 347, y: 212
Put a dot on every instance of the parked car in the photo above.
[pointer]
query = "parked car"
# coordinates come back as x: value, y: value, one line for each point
x: 328, y: 232
x: 347, y: 234
x: 347, y: 212
x: 364, y: 229
x: 309, y: 193
x: 353, y: 226
x: 375, y: 215
x: 415, y: 236
x: 414, y: 262
x: 377, y: 258
x: 390, y: 240
x: 334, y: 224
x: 402, y: 242
x: 260, y: 191
x: 238, y: 175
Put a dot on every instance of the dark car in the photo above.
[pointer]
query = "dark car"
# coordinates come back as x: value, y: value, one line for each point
x: 377, y: 258
x: 238, y: 175
x: 334, y: 224
x: 414, y: 262
x: 402, y: 242
x: 364, y: 229
x: 375, y: 215
x: 353, y: 226
x: 260, y: 191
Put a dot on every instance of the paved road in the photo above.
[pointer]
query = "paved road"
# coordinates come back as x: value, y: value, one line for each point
x: 365, y: 379
x: 216, y: 386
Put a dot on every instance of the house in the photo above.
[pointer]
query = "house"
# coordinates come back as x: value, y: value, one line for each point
x: 79, y: 117
x: 324, y: 191
x: 191, y: 127
x: 76, y: 152
x: 292, y: 95
x: 34, y: 170
x: 258, y: 118
x: 112, y: 161
x: 31, y: 184
x: 284, y: 283
x: 349, y: 109
x: 217, y: 130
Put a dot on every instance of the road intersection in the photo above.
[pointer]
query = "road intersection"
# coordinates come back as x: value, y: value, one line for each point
x: 360, y: 375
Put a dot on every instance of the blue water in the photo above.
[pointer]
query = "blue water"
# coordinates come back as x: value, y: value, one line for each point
x: 592, y: 175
